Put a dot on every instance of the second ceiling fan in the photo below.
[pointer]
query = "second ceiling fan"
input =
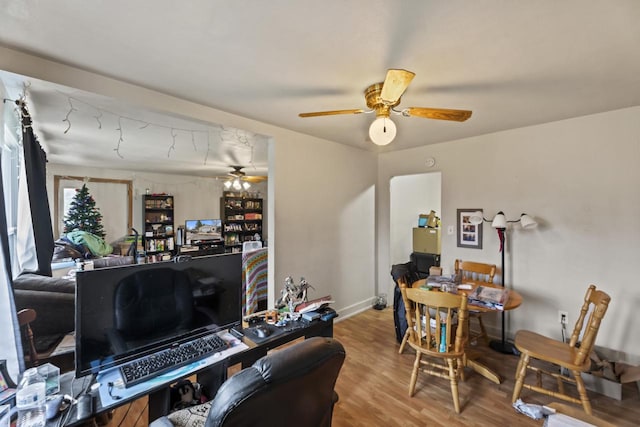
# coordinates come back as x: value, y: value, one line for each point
x: 382, y: 98
x: 239, y: 180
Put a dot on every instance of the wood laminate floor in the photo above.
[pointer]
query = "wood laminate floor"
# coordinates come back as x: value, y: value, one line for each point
x: 373, y: 387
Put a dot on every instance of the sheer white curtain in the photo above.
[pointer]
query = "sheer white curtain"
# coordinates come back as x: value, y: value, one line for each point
x: 25, y: 245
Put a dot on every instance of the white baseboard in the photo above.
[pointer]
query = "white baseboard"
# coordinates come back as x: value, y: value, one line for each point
x: 347, y: 312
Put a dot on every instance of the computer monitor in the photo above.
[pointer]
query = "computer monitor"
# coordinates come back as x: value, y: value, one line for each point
x: 126, y: 312
x: 202, y: 230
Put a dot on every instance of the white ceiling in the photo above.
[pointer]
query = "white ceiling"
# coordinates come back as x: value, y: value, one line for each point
x: 514, y: 64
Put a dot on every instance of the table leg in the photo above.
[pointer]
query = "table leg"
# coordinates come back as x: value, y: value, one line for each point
x: 472, y: 356
x: 484, y: 371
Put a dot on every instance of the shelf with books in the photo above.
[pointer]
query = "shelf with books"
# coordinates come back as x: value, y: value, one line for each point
x: 158, y: 237
x: 242, y: 218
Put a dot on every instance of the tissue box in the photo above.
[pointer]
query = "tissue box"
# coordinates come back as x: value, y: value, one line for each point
x: 51, y: 375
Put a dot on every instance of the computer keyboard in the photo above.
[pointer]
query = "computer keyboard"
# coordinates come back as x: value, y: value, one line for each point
x: 155, y: 364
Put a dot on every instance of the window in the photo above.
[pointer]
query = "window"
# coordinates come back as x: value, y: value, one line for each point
x: 10, y: 156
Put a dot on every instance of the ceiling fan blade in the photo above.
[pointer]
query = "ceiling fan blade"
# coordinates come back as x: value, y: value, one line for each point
x: 331, y: 113
x: 395, y: 84
x: 254, y: 179
x: 439, y: 113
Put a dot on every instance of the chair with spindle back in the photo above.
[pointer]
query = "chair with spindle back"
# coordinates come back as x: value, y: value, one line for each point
x: 572, y: 357
x: 438, y: 334
x: 480, y: 272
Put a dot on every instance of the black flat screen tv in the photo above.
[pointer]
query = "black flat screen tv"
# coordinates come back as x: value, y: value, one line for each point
x: 126, y: 312
x: 202, y: 230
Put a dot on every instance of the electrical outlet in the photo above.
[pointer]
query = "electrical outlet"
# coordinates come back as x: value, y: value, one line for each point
x: 563, y: 317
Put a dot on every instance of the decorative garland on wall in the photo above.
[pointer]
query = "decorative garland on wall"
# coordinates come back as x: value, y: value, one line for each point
x: 236, y: 135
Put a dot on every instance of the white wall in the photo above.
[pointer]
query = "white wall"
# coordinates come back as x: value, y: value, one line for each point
x: 321, y: 194
x: 410, y: 196
x: 579, y: 178
x: 325, y: 219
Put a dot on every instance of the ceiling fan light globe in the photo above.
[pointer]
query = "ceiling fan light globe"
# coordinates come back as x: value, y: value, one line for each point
x: 236, y: 184
x: 382, y: 131
x: 246, y: 185
x: 227, y: 184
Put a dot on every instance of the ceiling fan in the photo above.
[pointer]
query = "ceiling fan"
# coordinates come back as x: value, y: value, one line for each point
x: 239, y: 180
x: 382, y: 98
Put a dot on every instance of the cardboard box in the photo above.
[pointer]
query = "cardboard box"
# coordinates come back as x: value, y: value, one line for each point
x: 427, y: 240
x: 601, y: 385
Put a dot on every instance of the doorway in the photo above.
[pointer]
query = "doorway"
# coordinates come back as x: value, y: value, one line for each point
x: 410, y: 196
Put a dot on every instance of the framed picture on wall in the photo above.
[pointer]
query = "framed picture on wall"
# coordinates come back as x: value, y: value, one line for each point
x: 469, y: 235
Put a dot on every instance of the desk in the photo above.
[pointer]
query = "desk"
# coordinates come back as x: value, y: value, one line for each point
x: 515, y: 300
x: 211, y: 372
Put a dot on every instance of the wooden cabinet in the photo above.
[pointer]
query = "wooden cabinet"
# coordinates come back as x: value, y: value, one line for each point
x: 241, y: 219
x: 159, y: 238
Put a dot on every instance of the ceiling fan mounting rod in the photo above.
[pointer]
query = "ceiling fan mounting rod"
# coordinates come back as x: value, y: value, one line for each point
x: 376, y: 103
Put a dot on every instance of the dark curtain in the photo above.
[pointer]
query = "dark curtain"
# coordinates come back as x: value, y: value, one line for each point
x: 35, y: 161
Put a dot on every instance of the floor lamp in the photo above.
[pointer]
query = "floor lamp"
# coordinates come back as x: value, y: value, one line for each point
x: 500, y: 224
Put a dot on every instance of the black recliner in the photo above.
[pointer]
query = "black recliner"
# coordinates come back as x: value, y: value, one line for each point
x: 289, y: 387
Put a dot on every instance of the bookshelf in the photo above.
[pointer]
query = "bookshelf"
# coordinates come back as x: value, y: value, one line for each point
x: 241, y: 218
x: 158, y: 238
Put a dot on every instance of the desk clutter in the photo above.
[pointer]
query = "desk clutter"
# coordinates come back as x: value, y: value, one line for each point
x: 293, y: 311
x: 268, y: 324
x: 485, y: 296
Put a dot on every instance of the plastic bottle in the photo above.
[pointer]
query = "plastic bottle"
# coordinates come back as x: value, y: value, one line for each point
x: 30, y: 399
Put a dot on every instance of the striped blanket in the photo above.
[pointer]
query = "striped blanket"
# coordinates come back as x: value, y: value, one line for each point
x: 254, y: 279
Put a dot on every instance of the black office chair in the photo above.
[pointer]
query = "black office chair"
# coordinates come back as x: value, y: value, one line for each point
x: 289, y: 387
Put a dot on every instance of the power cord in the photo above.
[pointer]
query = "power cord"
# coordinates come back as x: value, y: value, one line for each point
x: 84, y: 389
x: 110, y: 390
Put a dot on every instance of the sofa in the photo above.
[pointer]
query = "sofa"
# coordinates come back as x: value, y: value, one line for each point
x: 53, y: 299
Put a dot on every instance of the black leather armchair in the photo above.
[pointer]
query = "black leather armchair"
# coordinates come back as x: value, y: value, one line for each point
x: 289, y: 387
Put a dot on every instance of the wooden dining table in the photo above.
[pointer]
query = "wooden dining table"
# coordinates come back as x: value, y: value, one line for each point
x: 471, y: 359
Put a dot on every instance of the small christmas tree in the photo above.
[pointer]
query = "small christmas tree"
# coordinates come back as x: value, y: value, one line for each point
x: 83, y: 214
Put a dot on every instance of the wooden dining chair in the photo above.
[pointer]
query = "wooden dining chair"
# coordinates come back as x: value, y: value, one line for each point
x: 439, y: 338
x: 476, y: 271
x: 25, y: 318
x: 571, y: 357
x: 408, y: 309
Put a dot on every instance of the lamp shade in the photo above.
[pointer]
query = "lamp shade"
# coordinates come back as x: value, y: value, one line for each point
x: 382, y: 131
x: 476, y: 218
x: 527, y: 222
x: 499, y: 221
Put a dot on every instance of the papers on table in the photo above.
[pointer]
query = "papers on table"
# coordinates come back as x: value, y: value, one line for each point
x: 490, y: 297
